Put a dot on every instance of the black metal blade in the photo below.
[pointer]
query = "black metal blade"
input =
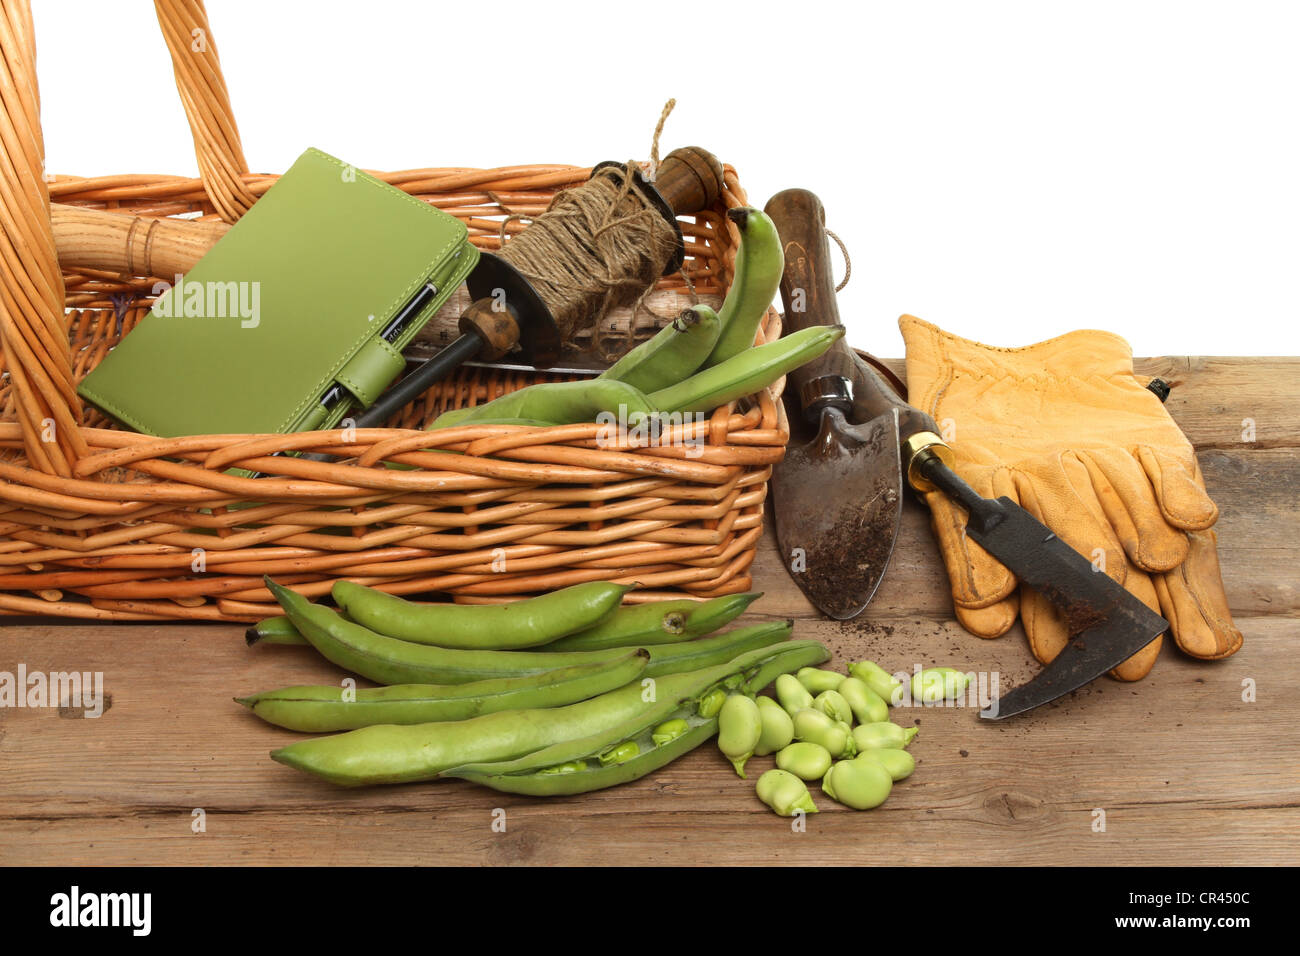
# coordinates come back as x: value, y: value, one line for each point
x: 1110, y: 624
x: 1089, y: 655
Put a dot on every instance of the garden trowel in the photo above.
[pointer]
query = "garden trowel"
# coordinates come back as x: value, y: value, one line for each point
x: 838, y: 491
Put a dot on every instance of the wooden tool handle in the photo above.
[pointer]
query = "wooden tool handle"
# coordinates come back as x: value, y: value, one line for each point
x: 130, y: 245
x: 689, y: 179
x: 808, y: 295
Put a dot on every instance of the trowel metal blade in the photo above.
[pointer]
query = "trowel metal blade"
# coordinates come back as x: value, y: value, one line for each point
x: 838, y: 500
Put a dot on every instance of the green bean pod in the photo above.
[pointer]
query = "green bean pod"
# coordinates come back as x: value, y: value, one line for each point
x: 746, y: 373
x: 675, y: 351
x: 759, y: 264
x: 388, y: 660
x: 585, y: 779
x: 661, y: 622
x: 274, y: 630
x: 318, y: 709
x: 563, y: 403
x: 678, y: 694
x: 452, y: 418
x: 527, y: 623
x: 528, y: 740
x: 716, y: 649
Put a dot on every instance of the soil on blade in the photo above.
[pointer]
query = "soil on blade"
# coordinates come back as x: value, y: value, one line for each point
x: 849, y: 559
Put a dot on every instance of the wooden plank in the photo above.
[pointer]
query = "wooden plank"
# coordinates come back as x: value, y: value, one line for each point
x: 1159, y: 757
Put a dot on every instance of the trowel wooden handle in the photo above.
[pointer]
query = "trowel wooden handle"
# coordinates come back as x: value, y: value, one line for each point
x: 130, y: 245
x: 808, y: 294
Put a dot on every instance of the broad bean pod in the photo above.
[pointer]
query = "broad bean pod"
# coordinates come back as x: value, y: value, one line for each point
x: 662, y: 622
x: 527, y: 623
x: 673, y: 353
x: 317, y: 709
x: 678, y: 695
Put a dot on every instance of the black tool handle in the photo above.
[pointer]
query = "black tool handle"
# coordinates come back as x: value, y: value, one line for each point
x: 808, y: 296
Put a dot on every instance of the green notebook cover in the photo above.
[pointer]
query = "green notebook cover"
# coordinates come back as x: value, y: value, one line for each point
x: 291, y: 301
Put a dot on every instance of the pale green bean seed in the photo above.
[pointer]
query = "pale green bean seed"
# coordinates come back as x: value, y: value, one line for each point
x: 851, y: 747
x: 739, y: 728
x: 806, y: 760
x: 832, y: 704
x: 899, y: 764
x: 938, y: 683
x: 573, y: 766
x: 778, y: 728
x: 619, y: 753
x: 793, y: 696
x: 882, y: 736
x: 867, y: 706
x: 815, y: 727
x: 860, y: 784
x: 785, y: 793
x: 880, y: 680
x: 669, y: 731
x: 711, y: 702
x: 817, y: 680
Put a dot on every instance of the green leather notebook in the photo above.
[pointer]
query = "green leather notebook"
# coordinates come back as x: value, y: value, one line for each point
x: 296, y: 316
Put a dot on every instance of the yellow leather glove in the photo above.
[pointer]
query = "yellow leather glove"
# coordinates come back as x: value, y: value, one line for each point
x: 1067, y: 430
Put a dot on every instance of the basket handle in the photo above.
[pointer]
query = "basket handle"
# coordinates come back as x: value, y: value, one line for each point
x: 203, y: 93
x: 33, y: 331
x: 34, y: 352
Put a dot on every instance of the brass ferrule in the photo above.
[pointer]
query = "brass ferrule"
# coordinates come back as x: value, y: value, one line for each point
x: 913, y: 446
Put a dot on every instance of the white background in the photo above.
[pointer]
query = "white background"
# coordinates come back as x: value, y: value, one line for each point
x: 1007, y: 170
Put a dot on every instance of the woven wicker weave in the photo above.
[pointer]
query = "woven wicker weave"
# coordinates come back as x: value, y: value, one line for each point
x: 98, y: 522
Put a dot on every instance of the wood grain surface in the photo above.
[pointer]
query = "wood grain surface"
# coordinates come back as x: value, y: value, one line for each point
x: 1185, y: 770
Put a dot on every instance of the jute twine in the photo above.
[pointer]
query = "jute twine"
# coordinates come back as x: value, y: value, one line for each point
x: 598, y: 246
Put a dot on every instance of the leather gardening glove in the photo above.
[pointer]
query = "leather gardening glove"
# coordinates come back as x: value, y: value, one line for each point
x: 1067, y: 430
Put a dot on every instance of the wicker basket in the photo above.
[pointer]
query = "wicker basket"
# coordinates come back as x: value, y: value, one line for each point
x: 98, y: 522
